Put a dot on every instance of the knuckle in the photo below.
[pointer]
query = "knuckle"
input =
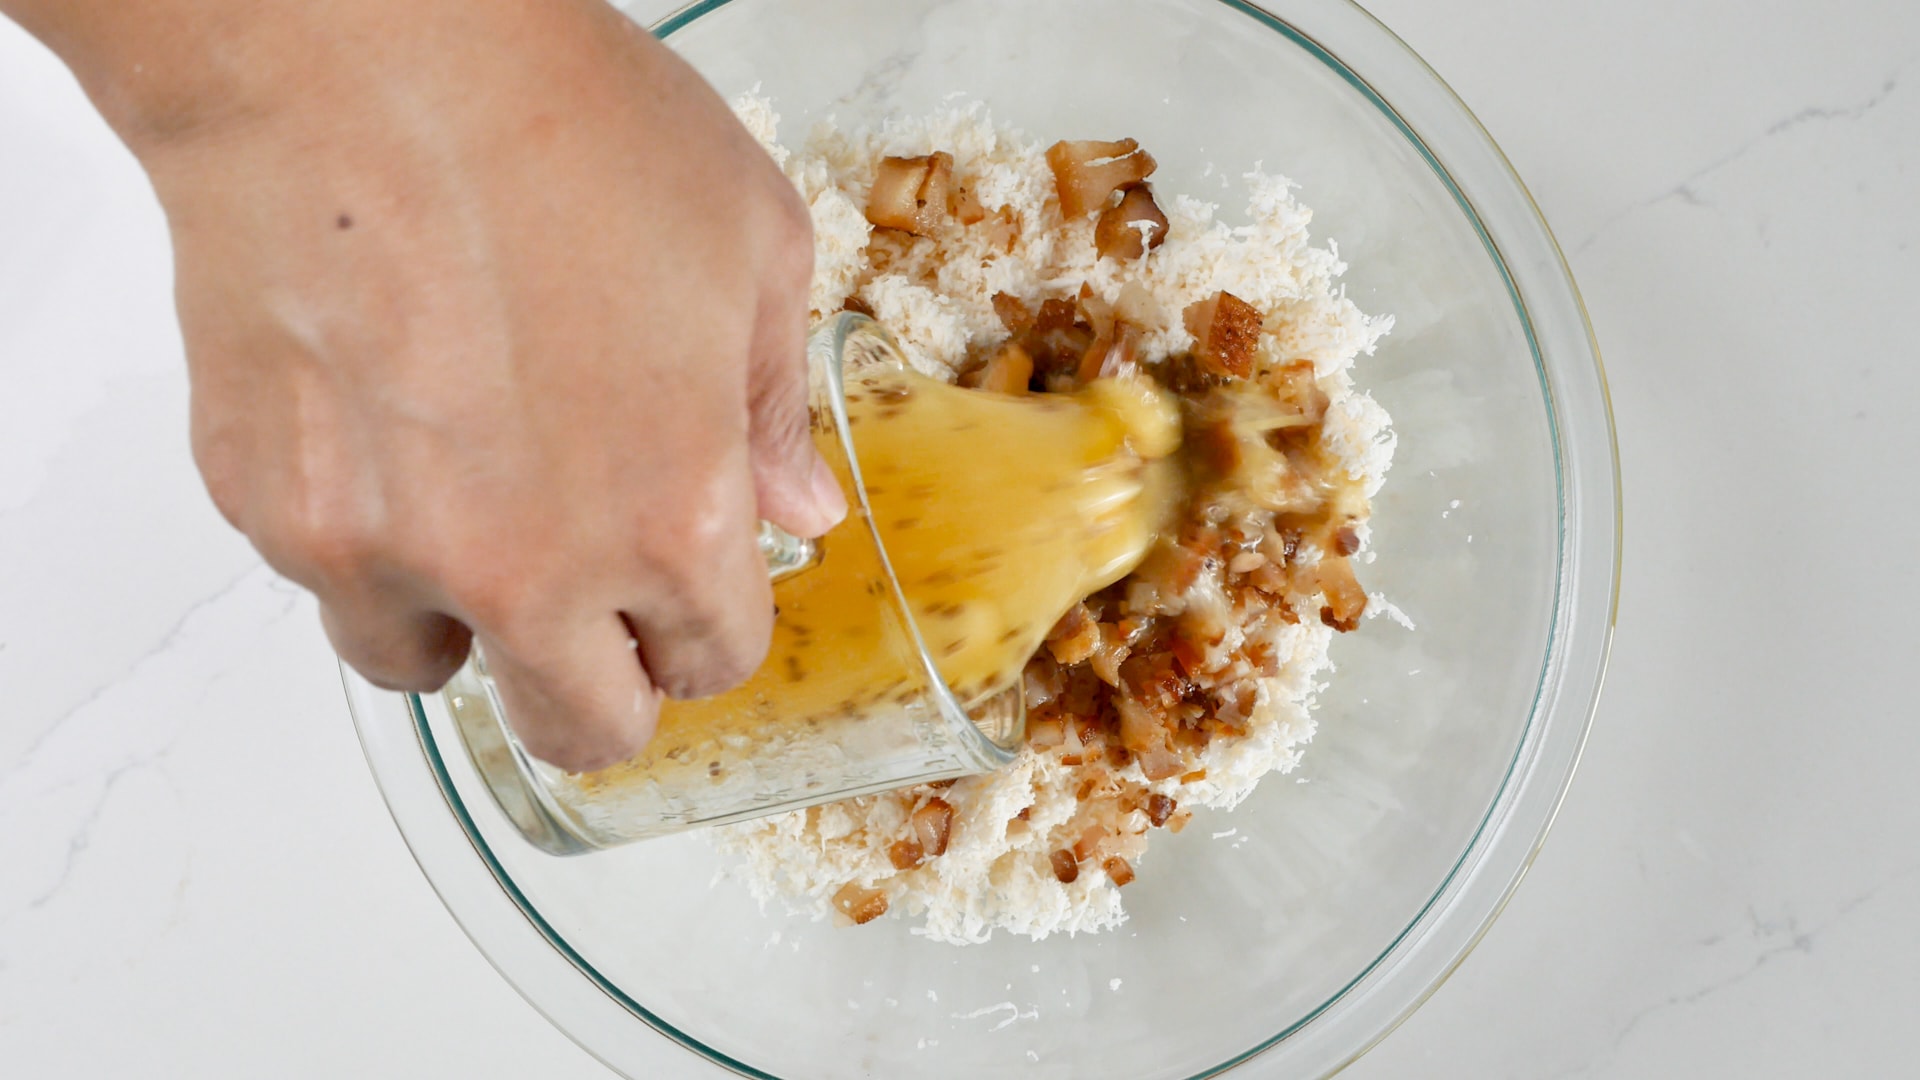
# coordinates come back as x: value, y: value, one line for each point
x: 506, y: 586
x: 698, y: 532
x: 316, y: 549
x: 339, y: 548
x: 507, y: 606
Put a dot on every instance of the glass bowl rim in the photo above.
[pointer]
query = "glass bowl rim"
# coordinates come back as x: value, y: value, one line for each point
x: 1569, y: 723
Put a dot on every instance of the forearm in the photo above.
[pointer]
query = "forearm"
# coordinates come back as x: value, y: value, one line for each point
x: 160, y: 70
x: 152, y: 67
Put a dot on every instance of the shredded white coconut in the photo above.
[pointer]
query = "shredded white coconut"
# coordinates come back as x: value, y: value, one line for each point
x: 937, y: 299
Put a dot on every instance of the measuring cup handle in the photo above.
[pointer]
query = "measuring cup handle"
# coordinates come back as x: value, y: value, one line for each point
x: 786, y: 554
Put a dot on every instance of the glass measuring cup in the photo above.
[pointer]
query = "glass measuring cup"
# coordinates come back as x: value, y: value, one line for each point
x: 761, y: 749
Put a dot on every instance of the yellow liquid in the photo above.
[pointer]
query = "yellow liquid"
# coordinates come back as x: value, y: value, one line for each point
x: 998, y: 514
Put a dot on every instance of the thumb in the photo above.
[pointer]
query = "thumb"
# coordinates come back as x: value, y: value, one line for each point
x: 795, y: 487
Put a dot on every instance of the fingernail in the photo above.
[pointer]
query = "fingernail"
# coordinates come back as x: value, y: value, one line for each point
x: 828, y: 499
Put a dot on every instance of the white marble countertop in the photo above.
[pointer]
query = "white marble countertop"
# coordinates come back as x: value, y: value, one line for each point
x: 1731, y: 889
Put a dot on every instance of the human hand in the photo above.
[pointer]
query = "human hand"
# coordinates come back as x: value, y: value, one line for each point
x: 495, y: 321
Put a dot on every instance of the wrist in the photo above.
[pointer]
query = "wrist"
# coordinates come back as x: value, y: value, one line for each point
x: 170, y: 72
x: 162, y: 70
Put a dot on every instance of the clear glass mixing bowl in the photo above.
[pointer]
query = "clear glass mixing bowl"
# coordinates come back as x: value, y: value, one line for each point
x: 1301, y: 927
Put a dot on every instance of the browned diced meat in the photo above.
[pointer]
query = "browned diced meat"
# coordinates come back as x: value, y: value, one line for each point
x: 1009, y: 371
x: 932, y: 825
x: 859, y: 904
x: 1131, y: 227
x: 1087, y: 173
x: 1346, y: 600
x: 1066, y: 868
x: 1074, y: 637
x: 906, y: 854
x: 910, y: 194
x: 1225, y: 331
x: 1013, y: 313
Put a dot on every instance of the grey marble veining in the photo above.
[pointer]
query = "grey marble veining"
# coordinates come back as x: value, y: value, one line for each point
x: 200, y: 880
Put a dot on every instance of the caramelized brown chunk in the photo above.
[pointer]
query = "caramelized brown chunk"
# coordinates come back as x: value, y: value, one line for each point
x: 1113, y: 353
x: 1066, y: 868
x: 1087, y: 173
x: 1346, y: 600
x: 1075, y: 636
x: 1160, y: 808
x: 1269, y: 577
x: 1089, y: 843
x: 906, y: 854
x: 1225, y: 330
x: 860, y: 905
x: 1009, y: 371
x: 1057, y: 340
x: 1264, y: 662
x: 1043, y: 680
x: 1170, y: 569
x: 1082, y: 697
x: 910, y: 194
x: 1046, y: 732
x: 1119, y: 870
x: 1055, y: 315
x: 1296, y: 387
x: 1146, y: 717
x: 1233, y: 431
x: 1191, y: 655
x: 932, y: 825
x: 854, y: 303
x: 1109, y: 651
x: 1131, y: 227
x: 1154, y: 679
x: 1159, y: 763
x: 1014, y: 314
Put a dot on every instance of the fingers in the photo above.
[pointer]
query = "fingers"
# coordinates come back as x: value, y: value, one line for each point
x: 580, y: 699
x: 705, y: 628
x: 394, y: 648
x: 792, y: 483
